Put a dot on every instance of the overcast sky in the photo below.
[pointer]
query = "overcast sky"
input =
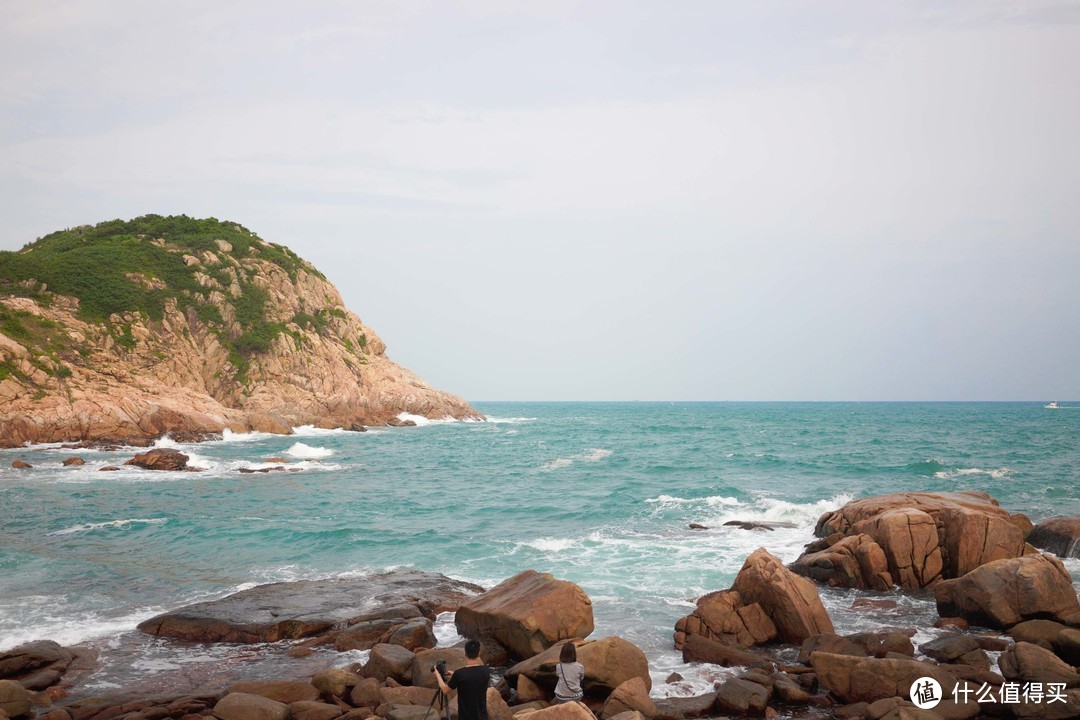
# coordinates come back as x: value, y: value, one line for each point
x: 600, y: 200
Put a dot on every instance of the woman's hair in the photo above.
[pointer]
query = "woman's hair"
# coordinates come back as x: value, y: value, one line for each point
x: 568, y: 654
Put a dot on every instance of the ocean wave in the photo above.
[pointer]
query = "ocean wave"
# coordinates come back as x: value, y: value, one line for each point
x: 591, y: 455
x: 307, y: 452
x: 229, y: 436
x: 551, y: 545
x: 312, y: 431
x: 510, y: 420
x: 50, y: 617
x: 421, y: 421
x: 926, y: 467
x: 997, y: 474
x: 711, y: 501
x: 108, y: 524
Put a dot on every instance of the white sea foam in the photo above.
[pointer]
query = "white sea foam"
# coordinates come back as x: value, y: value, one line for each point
x: 503, y: 421
x: 312, y: 431
x: 997, y: 474
x: 420, y: 420
x: 446, y: 634
x: 307, y: 452
x: 591, y: 455
x: 550, y: 545
x: 109, y: 524
x: 229, y: 436
x: 53, y: 620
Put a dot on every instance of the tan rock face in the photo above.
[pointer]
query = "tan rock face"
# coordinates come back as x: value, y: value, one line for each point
x: 175, y: 376
x: 911, y: 540
x: 855, y: 679
x: 527, y: 613
x: 1005, y: 592
x: 791, y: 601
x: 766, y: 601
x: 608, y: 662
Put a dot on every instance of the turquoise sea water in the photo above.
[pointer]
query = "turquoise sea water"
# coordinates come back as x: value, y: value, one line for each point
x: 600, y: 494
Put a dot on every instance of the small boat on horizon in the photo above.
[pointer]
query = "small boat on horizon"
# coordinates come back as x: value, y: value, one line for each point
x: 1052, y: 405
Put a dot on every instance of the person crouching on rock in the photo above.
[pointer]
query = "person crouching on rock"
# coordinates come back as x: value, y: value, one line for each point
x: 571, y: 674
x: 471, y: 682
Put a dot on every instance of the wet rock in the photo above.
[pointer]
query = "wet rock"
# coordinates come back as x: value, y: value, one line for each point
x: 413, y: 635
x: 1060, y: 535
x: 527, y: 613
x: 789, y: 690
x: 108, y: 468
x: 681, y: 708
x: 73, y: 460
x: 758, y: 524
x: 306, y: 608
x: 1004, y: 592
x: 21, y: 465
x: 160, y: 459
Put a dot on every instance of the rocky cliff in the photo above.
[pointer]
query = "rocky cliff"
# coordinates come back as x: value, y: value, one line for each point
x: 125, y: 331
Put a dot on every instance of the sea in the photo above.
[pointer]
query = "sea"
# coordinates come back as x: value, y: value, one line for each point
x: 601, y: 494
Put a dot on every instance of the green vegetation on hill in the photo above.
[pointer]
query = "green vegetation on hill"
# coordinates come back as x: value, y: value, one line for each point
x: 137, y: 266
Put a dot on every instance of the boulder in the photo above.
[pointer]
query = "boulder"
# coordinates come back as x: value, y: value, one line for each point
x: 854, y: 679
x: 160, y: 459
x: 830, y: 643
x: 1067, y: 645
x: 702, y: 649
x: 853, y: 562
x: 1060, y: 535
x: 243, y: 706
x: 925, y: 537
x: 389, y: 661
x: 1027, y: 663
x: 1037, y: 632
x: 73, y: 460
x: 14, y: 700
x: 723, y: 616
x: 527, y: 613
x: 681, y: 708
x: 365, y: 693
x: 334, y: 682
x: 310, y: 710
x: 789, y: 690
x: 32, y: 656
x: 630, y: 696
x: 741, y: 697
x: 281, y: 611
x: 496, y: 707
x: 909, y: 539
x: 406, y: 695
x: 284, y: 691
x: 791, y: 601
x: 565, y: 711
x: 412, y: 634
x: 608, y: 663
x: 21, y: 465
x: 949, y: 648
x: 1004, y: 592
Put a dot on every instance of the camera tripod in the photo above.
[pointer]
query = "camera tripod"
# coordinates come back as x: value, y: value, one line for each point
x: 444, y: 705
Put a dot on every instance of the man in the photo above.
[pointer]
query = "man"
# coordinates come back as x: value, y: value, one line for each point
x: 471, y: 682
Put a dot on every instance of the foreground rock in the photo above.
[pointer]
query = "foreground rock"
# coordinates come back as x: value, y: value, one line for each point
x: 911, y: 540
x: 1060, y: 535
x: 280, y: 611
x: 766, y: 601
x: 1005, y: 592
x: 244, y: 335
x: 855, y: 679
x: 42, y: 664
x: 527, y: 613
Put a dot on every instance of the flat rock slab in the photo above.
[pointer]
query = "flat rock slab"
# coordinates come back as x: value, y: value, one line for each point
x: 291, y: 610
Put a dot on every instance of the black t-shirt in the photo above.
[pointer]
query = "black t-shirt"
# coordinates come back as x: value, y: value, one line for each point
x: 471, y: 682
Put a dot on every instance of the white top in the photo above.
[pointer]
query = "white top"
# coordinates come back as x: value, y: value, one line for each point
x: 570, y: 677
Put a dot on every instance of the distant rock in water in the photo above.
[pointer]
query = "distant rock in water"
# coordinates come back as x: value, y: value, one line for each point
x: 126, y: 331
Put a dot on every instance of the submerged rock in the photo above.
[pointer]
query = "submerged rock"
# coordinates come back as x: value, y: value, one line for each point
x: 1060, y: 535
x: 160, y: 459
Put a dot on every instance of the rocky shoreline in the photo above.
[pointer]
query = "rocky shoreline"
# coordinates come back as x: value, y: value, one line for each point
x: 1009, y: 626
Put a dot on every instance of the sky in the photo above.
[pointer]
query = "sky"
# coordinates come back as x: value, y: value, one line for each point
x: 625, y: 200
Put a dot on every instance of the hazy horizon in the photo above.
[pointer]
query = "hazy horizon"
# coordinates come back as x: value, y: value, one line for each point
x: 749, y: 201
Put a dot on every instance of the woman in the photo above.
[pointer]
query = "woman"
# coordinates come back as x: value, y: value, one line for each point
x: 571, y: 673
